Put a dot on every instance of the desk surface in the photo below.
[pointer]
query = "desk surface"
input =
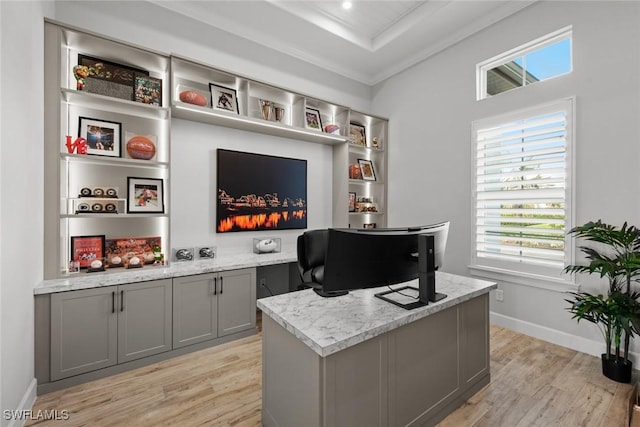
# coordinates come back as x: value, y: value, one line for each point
x: 224, y: 262
x: 328, y: 325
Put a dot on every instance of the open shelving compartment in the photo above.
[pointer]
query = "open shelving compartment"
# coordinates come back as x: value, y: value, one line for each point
x: 250, y: 96
x: 66, y: 174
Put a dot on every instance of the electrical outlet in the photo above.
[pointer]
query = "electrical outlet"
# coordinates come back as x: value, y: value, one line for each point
x: 499, y: 295
x: 263, y: 282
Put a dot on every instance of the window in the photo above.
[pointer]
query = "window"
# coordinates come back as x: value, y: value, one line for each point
x: 541, y: 59
x: 522, y: 191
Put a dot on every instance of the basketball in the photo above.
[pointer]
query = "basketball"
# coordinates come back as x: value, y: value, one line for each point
x: 141, y: 147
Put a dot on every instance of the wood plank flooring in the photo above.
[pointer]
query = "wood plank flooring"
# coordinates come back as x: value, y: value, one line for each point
x: 533, y: 383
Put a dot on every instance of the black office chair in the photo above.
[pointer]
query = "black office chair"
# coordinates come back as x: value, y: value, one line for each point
x: 311, y: 248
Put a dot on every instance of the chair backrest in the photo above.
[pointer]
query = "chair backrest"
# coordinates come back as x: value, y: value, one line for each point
x: 311, y: 248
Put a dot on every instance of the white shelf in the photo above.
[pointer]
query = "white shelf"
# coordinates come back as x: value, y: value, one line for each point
x: 363, y: 182
x: 116, y: 105
x: 207, y: 115
x: 113, y: 215
x: 113, y: 161
x: 364, y: 149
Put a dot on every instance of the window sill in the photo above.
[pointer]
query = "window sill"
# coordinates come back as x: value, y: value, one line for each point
x: 526, y: 279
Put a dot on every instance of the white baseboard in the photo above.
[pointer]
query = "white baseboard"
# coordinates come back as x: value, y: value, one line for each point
x: 583, y: 345
x: 26, y: 404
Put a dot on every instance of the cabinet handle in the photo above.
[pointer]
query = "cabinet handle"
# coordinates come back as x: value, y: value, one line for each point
x: 221, y: 284
x: 121, y: 301
x: 113, y: 302
x: 215, y: 286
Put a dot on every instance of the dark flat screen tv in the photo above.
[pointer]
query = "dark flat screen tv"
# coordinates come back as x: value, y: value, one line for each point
x: 259, y: 192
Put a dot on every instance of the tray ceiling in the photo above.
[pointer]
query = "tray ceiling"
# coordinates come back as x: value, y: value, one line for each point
x: 369, y: 42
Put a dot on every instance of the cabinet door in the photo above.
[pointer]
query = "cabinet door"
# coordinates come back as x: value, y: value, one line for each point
x: 236, y: 301
x: 144, y: 319
x: 84, y: 331
x: 195, y: 309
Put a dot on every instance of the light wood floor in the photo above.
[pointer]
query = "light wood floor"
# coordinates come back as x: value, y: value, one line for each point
x: 533, y: 383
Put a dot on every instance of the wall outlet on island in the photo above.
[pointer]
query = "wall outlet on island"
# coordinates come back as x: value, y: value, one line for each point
x: 499, y: 295
x: 263, y: 282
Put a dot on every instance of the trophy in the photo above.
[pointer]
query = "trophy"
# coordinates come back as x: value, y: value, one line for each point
x: 265, y: 108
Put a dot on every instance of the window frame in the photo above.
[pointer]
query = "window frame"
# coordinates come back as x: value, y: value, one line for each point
x: 484, y: 67
x: 514, y: 271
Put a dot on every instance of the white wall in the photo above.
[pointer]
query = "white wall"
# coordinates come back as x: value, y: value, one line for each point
x: 194, y: 191
x: 432, y: 105
x: 21, y: 208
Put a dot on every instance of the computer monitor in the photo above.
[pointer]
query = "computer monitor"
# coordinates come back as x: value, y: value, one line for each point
x: 367, y: 258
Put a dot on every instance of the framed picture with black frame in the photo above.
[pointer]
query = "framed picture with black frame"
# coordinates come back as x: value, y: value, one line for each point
x: 312, y: 119
x: 352, y: 202
x: 368, y: 172
x: 357, y: 134
x: 224, y: 98
x: 103, y: 137
x: 145, y: 195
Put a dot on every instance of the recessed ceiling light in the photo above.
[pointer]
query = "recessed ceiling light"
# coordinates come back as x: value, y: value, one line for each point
x: 346, y: 5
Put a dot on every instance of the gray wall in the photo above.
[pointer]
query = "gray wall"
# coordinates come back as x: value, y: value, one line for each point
x: 432, y: 106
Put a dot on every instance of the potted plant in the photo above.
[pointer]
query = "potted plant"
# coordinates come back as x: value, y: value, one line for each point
x: 616, y: 256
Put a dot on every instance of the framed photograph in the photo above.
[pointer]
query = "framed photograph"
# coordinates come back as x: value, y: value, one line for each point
x: 86, y: 249
x: 352, y: 202
x: 312, y: 119
x: 205, y: 252
x: 106, y: 77
x: 366, y: 167
x: 147, y: 90
x: 357, y: 134
x: 183, y: 254
x: 224, y: 98
x: 103, y: 137
x: 121, y: 251
x: 145, y: 195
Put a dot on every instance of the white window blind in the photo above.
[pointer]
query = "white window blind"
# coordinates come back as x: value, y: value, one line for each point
x: 522, y: 190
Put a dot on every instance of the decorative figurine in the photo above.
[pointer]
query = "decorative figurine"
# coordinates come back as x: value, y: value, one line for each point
x: 79, y: 145
x: 81, y: 72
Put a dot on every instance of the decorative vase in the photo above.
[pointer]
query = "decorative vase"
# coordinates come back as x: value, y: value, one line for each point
x: 616, y: 369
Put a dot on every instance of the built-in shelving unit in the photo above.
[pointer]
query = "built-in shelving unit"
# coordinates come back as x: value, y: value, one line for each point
x: 187, y: 75
x: 66, y: 174
x: 365, y: 195
x: 252, y: 106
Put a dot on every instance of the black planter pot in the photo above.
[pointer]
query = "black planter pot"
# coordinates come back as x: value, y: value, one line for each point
x: 616, y: 369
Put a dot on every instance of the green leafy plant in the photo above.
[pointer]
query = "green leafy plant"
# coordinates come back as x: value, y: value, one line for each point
x: 616, y: 257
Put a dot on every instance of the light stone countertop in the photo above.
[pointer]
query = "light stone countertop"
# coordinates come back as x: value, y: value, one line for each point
x: 224, y: 262
x: 328, y: 325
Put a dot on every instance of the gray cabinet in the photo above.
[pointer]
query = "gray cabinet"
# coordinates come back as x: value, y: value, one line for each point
x: 96, y: 328
x: 213, y: 305
x: 84, y: 331
x: 144, y: 319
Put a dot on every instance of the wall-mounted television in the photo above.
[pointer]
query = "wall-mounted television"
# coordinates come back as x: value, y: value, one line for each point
x: 259, y: 192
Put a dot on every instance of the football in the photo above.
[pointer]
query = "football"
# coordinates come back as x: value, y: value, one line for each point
x: 141, y: 147
x: 193, y: 97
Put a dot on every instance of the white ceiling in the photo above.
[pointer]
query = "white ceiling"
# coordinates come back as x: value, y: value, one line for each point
x: 368, y: 43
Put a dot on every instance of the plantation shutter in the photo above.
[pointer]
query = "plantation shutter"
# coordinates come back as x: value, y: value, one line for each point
x: 521, y: 197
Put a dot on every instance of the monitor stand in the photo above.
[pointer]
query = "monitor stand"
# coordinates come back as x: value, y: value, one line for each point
x: 407, y: 306
x: 329, y: 294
